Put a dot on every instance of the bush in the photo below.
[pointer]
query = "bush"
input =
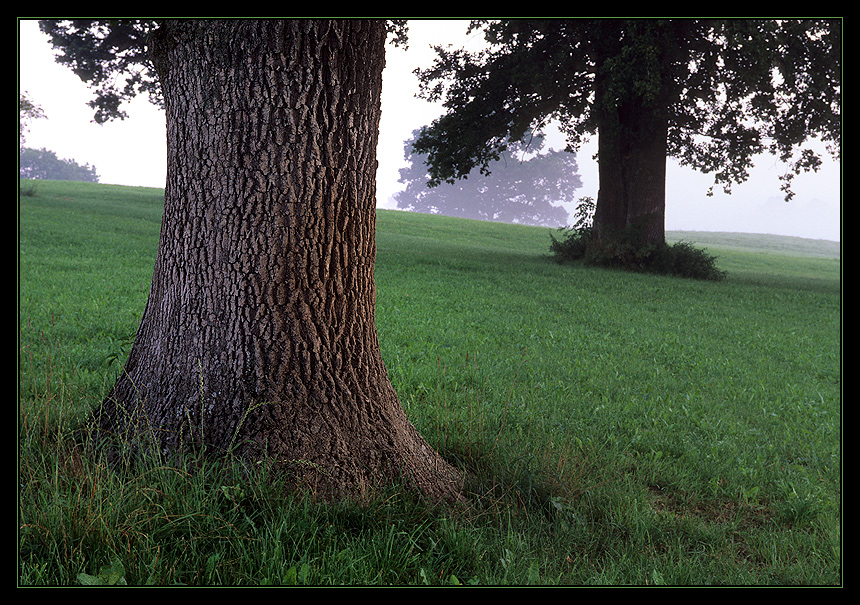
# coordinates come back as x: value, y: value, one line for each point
x: 27, y: 187
x: 623, y: 251
x: 574, y: 246
x: 684, y: 260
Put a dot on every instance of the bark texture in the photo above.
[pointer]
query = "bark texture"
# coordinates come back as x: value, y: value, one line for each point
x: 632, y: 173
x: 259, y: 334
x: 632, y: 92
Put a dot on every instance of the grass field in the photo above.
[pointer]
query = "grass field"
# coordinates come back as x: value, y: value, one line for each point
x: 622, y: 429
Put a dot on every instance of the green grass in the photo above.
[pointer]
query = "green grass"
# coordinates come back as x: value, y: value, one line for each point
x: 621, y: 429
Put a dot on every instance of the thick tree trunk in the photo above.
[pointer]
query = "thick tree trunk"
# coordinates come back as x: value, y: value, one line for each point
x: 259, y: 334
x: 632, y: 172
x: 632, y: 113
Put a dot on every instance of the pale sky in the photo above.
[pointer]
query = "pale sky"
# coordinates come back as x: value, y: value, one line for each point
x: 132, y: 152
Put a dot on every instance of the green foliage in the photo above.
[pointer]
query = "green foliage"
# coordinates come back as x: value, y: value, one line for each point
x: 732, y: 89
x: 685, y: 260
x: 292, y: 577
x: 572, y: 246
x: 619, y: 428
x: 576, y: 239
x: 110, y: 56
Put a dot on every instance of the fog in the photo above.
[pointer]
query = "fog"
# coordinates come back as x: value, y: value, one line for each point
x: 132, y: 152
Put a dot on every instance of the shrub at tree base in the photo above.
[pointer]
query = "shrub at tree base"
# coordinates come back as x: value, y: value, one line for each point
x: 621, y: 250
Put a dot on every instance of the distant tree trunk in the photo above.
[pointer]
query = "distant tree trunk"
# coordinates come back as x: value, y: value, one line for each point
x: 259, y: 331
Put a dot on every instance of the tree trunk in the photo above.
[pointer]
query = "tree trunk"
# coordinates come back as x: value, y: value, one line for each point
x: 632, y: 173
x: 632, y: 120
x: 259, y: 335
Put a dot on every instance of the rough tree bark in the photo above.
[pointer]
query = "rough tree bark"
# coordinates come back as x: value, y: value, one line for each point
x: 632, y: 172
x: 259, y: 335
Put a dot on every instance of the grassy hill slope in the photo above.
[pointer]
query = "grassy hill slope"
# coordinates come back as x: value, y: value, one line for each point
x: 619, y: 428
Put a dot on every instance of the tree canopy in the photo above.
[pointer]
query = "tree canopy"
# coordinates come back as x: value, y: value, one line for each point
x: 112, y: 57
x: 713, y: 94
x: 739, y: 87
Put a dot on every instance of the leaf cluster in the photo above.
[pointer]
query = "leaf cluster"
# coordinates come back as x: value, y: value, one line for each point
x: 113, y: 57
x: 110, y: 55
x: 732, y: 89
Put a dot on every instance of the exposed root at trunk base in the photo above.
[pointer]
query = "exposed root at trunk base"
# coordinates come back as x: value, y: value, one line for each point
x: 358, y: 473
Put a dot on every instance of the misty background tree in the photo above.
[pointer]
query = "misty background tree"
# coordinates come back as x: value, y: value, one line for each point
x: 526, y: 185
x: 45, y: 164
x: 713, y: 94
x: 258, y: 337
